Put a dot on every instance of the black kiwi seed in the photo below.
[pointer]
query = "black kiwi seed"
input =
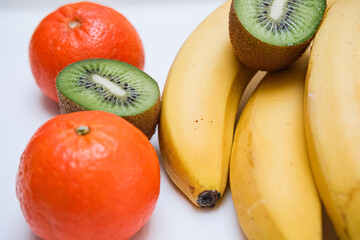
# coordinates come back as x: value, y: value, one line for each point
x: 98, y: 84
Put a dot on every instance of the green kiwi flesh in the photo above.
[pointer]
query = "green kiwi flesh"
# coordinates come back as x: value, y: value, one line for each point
x: 270, y: 34
x: 111, y: 86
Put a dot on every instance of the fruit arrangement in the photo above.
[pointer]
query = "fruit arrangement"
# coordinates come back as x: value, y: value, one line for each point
x: 91, y: 172
x: 277, y: 162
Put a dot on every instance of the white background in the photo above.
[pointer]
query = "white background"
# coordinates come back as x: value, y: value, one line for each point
x: 163, y: 26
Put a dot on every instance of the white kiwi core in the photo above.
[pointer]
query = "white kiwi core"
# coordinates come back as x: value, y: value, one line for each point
x: 277, y: 9
x: 112, y: 87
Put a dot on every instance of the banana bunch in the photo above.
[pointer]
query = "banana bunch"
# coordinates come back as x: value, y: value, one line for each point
x: 299, y: 133
x: 199, y: 106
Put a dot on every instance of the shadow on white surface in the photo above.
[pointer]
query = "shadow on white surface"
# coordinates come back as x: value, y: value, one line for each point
x: 143, y: 233
x: 49, y: 105
x: 34, y: 237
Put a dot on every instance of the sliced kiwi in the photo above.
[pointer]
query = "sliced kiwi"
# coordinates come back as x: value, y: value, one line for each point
x: 111, y: 86
x: 270, y: 34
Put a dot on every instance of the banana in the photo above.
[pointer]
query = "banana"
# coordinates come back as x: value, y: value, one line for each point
x: 199, y: 105
x: 330, y: 3
x: 270, y: 178
x: 332, y: 115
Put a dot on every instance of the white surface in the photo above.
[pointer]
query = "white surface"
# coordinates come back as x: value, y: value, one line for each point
x: 163, y: 27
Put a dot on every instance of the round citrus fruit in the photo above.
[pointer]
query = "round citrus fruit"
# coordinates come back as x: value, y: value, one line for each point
x: 88, y: 175
x: 80, y: 31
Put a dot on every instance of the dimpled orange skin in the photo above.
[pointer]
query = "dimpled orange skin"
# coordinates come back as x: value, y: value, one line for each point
x: 101, y: 185
x: 80, y: 31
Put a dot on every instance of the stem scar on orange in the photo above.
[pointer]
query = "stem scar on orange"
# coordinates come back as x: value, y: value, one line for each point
x: 88, y: 175
x: 80, y: 31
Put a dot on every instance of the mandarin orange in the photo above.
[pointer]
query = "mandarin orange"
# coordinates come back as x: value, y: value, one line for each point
x: 88, y: 175
x: 80, y: 31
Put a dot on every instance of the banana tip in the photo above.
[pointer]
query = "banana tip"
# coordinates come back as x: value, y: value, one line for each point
x: 208, y: 198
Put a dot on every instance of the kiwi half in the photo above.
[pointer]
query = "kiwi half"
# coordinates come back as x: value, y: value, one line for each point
x: 111, y: 86
x: 270, y: 34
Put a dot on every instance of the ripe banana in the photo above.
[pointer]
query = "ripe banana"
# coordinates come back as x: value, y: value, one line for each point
x: 330, y: 3
x: 270, y: 178
x: 332, y: 115
x: 199, y: 105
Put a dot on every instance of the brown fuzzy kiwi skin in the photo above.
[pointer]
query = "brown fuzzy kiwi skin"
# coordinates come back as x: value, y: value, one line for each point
x: 148, y: 120
x: 257, y: 54
x: 145, y: 121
